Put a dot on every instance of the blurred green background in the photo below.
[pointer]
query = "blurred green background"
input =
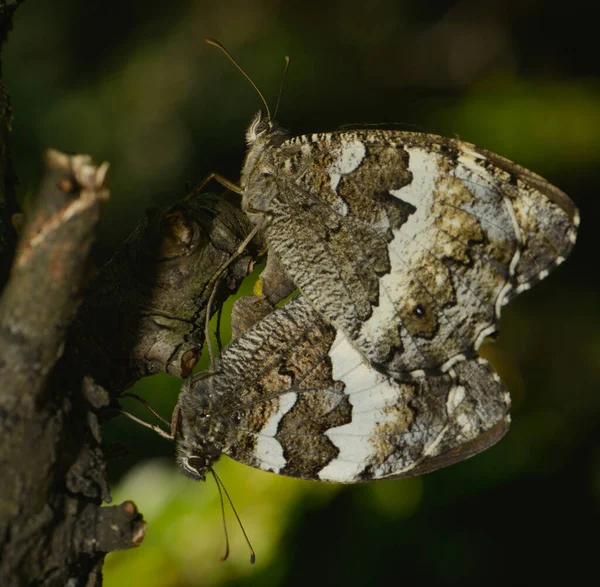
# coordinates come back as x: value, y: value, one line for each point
x: 132, y: 81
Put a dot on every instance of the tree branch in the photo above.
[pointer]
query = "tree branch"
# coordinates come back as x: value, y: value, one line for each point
x: 41, y: 440
x: 40, y: 298
x: 143, y: 313
x: 145, y: 310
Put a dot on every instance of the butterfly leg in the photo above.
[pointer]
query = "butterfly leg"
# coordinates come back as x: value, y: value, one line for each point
x: 220, y: 179
x: 214, y: 281
x: 153, y: 427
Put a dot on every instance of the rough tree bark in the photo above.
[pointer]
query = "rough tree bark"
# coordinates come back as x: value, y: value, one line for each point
x: 69, y: 345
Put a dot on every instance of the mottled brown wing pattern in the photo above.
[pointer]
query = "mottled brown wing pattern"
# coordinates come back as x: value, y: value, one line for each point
x: 409, y: 243
x: 405, y: 246
x: 293, y: 396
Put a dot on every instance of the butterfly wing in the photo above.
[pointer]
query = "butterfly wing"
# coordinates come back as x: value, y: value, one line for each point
x: 299, y: 400
x: 412, y: 243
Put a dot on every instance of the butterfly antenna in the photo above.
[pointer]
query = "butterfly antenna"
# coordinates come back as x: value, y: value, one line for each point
x: 218, y: 45
x: 287, y: 65
x: 219, y: 482
x: 226, y: 553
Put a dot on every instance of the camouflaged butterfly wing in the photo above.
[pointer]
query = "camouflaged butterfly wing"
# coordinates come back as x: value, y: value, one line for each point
x: 410, y: 243
x: 293, y: 396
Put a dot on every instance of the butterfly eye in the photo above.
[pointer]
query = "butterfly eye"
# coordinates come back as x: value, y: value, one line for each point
x: 193, y: 466
x: 259, y: 126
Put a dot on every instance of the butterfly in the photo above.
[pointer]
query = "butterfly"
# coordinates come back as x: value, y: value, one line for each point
x: 409, y: 243
x: 292, y: 395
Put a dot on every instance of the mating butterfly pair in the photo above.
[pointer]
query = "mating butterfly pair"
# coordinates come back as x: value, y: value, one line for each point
x: 404, y: 248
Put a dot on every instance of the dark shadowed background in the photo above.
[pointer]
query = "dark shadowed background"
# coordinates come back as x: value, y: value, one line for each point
x: 132, y: 82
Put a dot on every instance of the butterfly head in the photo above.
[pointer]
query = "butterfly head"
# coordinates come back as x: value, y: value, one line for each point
x: 263, y: 137
x: 260, y: 127
x: 199, y: 432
